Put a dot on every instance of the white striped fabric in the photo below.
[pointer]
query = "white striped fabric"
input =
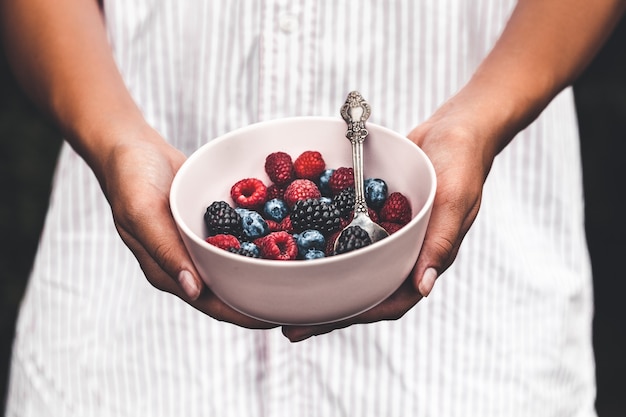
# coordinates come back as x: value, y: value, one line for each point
x: 507, y: 330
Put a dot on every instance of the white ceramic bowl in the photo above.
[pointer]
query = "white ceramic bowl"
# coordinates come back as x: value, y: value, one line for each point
x: 302, y: 292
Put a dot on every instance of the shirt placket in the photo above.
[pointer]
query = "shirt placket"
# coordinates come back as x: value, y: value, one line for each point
x: 287, y: 60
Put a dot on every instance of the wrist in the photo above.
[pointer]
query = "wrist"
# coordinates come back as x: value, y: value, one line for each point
x: 98, y: 135
x: 96, y: 141
x: 495, y: 109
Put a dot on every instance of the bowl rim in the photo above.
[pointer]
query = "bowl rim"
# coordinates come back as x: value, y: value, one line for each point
x: 184, y: 228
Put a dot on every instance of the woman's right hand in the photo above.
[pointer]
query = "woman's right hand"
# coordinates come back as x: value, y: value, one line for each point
x: 136, y: 175
x: 61, y: 56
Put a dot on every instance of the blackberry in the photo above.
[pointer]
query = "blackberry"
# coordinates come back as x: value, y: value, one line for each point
x: 344, y: 201
x: 312, y: 213
x: 221, y: 218
x: 354, y: 237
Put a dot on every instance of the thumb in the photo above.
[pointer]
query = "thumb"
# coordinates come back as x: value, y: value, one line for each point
x: 447, y: 227
x: 438, y: 252
x: 165, y: 262
x: 158, y: 247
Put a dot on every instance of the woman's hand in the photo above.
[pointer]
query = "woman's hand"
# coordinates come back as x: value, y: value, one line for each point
x: 544, y: 46
x: 136, y: 176
x: 453, y: 141
x: 62, y: 58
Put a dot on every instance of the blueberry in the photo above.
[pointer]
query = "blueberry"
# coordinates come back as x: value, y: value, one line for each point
x: 254, y: 226
x: 275, y: 209
x: 251, y: 247
x: 314, y: 254
x: 323, y: 182
x: 326, y: 200
x: 375, y: 192
x: 310, y: 239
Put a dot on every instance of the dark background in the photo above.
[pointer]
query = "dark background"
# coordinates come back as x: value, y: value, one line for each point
x: 601, y: 103
x: 29, y: 145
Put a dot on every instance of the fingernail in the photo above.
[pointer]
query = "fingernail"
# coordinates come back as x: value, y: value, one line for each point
x: 427, y: 283
x: 188, y: 284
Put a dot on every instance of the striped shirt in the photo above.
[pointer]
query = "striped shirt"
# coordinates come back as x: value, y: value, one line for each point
x: 507, y: 330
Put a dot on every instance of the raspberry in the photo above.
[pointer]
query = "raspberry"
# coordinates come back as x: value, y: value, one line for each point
x: 397, y: 209
x: 340, y: 179
x: 309, y: 165
x: 354, y: 237
x: 249, y: 193
x: 373, y: 215
x: 278, y: 245
x: 273, y: 225
x: 279, y: 168
x: 223, y: 241
x: 330, y: 243
x: 391, y: 227
x: 300, y: 189
x: 275, y: 191
x: 221, y: 218
x: 286, y: 224
x: 312, y: 213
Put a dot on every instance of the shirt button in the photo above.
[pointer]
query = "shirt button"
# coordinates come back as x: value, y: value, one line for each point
x: 287, y: 23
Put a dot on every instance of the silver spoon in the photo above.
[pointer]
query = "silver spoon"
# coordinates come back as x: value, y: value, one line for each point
x: 355, y: 111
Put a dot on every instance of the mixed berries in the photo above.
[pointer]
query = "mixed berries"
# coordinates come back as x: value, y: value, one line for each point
x: 301, y: 212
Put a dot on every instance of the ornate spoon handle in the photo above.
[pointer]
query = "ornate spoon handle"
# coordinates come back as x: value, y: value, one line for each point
x: 355, y: 112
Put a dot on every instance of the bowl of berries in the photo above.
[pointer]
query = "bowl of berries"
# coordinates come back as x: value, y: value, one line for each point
x: 260, y: 210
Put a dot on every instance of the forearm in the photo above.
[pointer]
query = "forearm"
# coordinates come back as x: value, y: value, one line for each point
x: 61, y: 57
x: 544, y: 47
